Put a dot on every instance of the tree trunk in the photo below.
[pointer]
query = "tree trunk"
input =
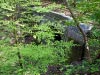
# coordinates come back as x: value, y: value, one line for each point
x: 86, y: 53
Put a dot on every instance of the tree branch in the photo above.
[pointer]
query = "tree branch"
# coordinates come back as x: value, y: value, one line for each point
x: 87, y: 53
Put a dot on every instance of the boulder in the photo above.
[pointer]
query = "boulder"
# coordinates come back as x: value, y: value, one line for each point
x: 68, y: 31
x: 73, y: 33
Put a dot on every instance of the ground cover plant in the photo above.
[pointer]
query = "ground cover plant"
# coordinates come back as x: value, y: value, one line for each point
x: 32, y: 44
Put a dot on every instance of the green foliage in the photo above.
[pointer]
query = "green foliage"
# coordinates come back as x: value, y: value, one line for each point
x: 84, y: 68
x: 19, y: 18
x: 34, y: 57
x: 96, y: 16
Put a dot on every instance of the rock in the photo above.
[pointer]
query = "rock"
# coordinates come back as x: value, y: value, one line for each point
x: 69, y: 31
x: 74, y: 33
x: 60, y: 16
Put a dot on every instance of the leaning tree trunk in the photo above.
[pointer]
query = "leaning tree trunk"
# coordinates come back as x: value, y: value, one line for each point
x: 86, y: 53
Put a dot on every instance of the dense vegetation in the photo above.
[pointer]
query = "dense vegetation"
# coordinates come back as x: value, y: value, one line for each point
x: 30, y: 44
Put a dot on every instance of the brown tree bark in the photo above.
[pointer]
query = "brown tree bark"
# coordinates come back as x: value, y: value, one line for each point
x: 87, y: 53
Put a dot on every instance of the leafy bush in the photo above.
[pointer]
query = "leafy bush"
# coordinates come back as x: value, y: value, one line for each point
x: 18, y: 20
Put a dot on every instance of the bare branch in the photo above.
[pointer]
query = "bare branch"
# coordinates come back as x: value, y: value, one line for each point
x: 87, y: 53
